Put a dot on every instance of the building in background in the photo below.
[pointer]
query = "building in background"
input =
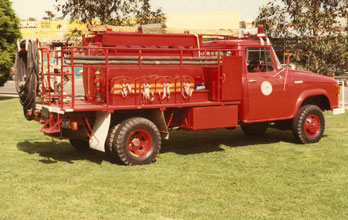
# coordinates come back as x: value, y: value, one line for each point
x: 48, y: 31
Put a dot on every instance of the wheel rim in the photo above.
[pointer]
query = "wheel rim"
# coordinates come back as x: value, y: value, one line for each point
x: 139, y: 143
x: 312, y: 125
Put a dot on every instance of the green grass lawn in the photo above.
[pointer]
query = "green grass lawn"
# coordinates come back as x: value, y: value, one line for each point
x: 216, y: 174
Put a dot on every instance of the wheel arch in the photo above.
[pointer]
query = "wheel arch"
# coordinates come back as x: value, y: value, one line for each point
x: 316, y: 97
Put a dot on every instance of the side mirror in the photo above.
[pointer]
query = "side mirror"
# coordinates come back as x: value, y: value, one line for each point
x: 288, y: 61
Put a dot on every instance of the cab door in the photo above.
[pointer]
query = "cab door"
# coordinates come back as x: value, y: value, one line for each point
x: 267, y: 93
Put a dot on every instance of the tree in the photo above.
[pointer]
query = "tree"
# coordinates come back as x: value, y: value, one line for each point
x: 146, y: 16
x: 314, y: 25
x: 73, y: 37
x: 113, y: 12
x: 49, y: 16
x: 9, y: 29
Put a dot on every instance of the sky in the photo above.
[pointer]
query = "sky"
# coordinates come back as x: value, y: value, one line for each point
x: 248, y: 8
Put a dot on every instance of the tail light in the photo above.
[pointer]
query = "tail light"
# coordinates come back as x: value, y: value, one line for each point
x: 74, y: 126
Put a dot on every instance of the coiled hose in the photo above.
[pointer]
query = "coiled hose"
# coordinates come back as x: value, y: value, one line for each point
x: 27, y: 76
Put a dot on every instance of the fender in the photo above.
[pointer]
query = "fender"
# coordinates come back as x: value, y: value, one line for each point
x: 307, y: 93
x: 100, y: 130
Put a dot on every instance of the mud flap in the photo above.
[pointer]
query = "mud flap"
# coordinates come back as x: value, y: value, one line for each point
x: 159, y: 120
x: 100, y: 130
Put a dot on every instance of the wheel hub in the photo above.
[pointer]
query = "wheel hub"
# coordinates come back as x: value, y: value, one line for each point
x: 312, y: 125
x: 139, y: 143
x: 136, y: 142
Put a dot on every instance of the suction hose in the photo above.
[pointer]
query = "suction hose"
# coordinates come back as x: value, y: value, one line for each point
x: 27, y: 76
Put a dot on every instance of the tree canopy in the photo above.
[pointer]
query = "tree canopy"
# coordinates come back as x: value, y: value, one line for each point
x: 9, y: 29
x: 113, y: 12
x: 49, y: 16
x: 316, y: 26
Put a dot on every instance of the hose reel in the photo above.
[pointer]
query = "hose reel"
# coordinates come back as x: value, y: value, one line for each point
x: 27, y: 76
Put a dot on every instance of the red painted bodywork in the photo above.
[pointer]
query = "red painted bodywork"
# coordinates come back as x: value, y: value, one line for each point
x: 224, y: 93
x: 200, y: 118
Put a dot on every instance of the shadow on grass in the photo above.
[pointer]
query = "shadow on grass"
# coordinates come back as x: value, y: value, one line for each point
x: 181, y: 142
x: 195, y: 142
x: 53, y: 152
x: 6, y: 98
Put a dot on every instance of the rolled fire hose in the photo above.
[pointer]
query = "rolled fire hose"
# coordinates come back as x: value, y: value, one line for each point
x: 27, y: 76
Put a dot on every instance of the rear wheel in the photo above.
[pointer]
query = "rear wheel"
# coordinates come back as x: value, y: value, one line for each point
x: 80, y: 144
x: 309, y: 124
x: 109, y: 150
x: 254, y: 129
x: 135, y: 141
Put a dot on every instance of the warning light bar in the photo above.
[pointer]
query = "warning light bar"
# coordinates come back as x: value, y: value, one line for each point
x: 258, y: 32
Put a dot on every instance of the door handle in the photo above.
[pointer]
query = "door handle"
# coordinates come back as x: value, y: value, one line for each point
x: 252, y: 81
x: 223, y: 77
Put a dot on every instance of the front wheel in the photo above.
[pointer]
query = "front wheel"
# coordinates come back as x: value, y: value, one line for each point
x: 309, y: 124
x: 136, y: 141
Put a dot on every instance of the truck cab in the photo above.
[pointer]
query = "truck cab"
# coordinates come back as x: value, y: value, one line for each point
x: 274, y: 94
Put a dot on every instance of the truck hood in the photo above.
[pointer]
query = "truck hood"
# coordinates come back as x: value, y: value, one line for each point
x: 311, y: 78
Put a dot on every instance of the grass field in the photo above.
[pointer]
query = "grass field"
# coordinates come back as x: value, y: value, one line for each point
x: 217, y: 174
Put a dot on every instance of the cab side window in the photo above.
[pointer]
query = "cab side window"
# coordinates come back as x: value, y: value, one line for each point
x: 259, y: 60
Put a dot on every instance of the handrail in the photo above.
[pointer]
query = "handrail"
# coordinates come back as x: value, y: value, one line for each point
x: 71, y: 57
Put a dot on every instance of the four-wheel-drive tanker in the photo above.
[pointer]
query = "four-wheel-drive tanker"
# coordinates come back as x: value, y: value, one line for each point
x: 138, y: 86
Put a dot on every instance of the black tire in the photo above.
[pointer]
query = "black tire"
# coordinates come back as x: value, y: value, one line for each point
x: 80, y: 144
x: 136, y: 141
x: 255, y: 129
x: 109, y: 150
x: 309, y: 124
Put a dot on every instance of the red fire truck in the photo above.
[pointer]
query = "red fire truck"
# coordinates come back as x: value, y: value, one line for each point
x: 138, y: 86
